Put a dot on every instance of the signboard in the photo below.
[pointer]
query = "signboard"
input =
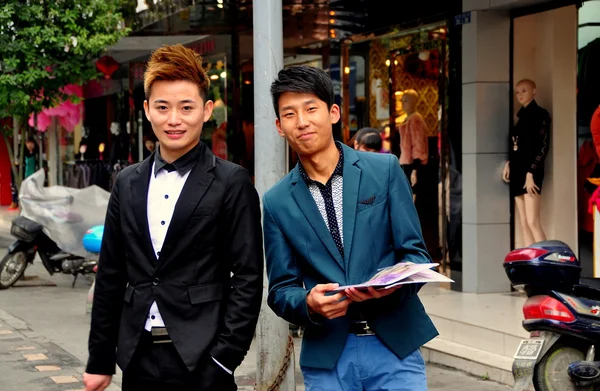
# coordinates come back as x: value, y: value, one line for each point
x: 464, y: 18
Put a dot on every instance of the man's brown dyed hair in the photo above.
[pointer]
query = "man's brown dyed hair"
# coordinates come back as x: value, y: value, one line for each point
x: 176, y: 62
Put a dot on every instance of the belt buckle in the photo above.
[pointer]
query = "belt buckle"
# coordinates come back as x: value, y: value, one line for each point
x: 157, y: 333
x: 367, y: 329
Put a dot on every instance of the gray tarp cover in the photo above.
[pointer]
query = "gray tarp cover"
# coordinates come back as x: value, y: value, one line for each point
x: 66, y: 213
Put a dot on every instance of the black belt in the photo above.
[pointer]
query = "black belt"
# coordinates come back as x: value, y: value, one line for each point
x: 158, y: 335
x: 361, y: 328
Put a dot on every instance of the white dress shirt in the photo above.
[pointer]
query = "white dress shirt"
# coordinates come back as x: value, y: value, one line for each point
x: 164, y: 190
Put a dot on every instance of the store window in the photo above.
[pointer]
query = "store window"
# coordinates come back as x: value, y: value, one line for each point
x: 398, y: 84
x: 588, y: 125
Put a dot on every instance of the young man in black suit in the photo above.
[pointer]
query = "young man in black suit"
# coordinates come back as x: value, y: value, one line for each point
x: 180, y: 278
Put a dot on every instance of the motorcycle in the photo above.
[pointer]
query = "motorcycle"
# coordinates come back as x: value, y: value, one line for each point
x: 32, y: 240
x: 562, y: 315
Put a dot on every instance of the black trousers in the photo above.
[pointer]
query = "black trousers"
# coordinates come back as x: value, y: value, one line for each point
x: 158, y: 367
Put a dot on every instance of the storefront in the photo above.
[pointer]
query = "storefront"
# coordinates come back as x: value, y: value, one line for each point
x: 552, y: 44
x: 379, y: 69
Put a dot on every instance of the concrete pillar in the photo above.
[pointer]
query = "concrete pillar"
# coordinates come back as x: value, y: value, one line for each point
x: 270, y: 162
x: 486, y: 116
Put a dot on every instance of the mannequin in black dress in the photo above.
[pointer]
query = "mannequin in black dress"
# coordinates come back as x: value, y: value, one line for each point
x: 529, y: 143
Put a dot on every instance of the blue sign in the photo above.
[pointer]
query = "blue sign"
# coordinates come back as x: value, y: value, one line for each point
x: 464, y: 18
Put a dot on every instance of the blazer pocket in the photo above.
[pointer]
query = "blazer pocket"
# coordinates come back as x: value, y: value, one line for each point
x: 372, y: 201
x: 128, y: 298
x: 203, y: 212
x: 205, y: 293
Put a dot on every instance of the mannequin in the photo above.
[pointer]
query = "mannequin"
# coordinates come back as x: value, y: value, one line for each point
x: 414, y: 149
x: 529, y: 143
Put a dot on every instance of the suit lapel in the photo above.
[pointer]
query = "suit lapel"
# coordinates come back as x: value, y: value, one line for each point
x: 351, y: 183
x: 139, y: 191
x: 307, y: 205
x: 198, y: 182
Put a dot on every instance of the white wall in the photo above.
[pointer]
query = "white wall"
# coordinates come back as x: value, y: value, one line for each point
x: 545, y: 50
x: 589, y: 13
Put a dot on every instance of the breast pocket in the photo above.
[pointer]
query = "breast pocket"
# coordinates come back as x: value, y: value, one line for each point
x: 370, y: 202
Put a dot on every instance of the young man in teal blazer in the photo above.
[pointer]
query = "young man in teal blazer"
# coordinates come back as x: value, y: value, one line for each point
x: 335, y: 219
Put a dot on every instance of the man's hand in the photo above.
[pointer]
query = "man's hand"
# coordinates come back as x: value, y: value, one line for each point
x: 371, y: 293
x: 96, y: 382
x: 330, y: 307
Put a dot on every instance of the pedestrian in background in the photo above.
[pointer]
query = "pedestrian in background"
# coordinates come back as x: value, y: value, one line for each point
x: 368, y: 140
x: 180, y: 276
x: 336, y: 219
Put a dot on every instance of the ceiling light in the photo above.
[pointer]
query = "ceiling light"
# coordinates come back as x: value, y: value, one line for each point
x: 387, y: 63
x: 214, y: 77
x: 220, y: 5
x: 223, y: 75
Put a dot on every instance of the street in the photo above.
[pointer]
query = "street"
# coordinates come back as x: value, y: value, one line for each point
x: 44, y: 330
x: 51, y: 320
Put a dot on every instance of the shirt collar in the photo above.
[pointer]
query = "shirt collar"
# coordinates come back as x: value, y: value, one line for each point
x: 182, y: 165
x: 530, y: 108
x: 339, y: 168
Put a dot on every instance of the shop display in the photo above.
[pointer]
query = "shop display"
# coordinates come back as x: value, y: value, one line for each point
x: 524, y: 171
x: 414, y: 148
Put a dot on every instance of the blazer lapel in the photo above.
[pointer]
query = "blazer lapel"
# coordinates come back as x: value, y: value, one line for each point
x: 309, y: 208
x: 139, y: 193
x: 351, y: 183
x: 193, y: 191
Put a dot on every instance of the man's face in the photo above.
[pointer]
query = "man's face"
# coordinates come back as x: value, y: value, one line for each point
x: 30, y: 146
x: 305, y: 122
x: 177, y: 113
x: 525, y: 93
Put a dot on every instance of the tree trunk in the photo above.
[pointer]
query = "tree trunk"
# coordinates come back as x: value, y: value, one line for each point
x: 11, y: 156
x: 21, y: 158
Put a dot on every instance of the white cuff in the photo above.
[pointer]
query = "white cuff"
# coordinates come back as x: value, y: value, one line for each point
x: 222, y: 366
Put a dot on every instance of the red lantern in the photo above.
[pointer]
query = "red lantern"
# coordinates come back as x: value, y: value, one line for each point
x: 107, y: 65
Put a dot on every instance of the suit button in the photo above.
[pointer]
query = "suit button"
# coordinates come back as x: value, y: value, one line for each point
x: 155, y: 282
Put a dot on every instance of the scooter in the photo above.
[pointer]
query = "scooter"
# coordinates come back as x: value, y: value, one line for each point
x: 562, y: 315
x: 32, y: 240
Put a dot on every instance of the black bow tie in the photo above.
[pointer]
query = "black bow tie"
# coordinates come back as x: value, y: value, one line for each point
x: 169, y: 167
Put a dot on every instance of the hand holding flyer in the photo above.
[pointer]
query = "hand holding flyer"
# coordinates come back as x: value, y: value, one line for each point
x: 400, y: 274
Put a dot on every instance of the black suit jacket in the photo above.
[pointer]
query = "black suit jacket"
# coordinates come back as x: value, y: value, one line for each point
x: 207, y: 281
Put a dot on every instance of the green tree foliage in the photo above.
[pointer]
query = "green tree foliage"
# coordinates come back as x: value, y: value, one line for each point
x: 47, y: 44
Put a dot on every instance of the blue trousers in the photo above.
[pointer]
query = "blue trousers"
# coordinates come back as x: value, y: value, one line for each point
x: 366, y: 364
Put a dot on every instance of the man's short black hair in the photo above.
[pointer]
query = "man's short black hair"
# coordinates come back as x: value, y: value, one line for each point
x: 369, y: 138
x: 302, y: 79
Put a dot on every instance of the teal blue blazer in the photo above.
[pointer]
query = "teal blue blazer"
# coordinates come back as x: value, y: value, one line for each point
x: 380, y: 228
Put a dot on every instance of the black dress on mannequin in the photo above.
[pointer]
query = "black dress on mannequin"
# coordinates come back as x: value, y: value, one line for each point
x: 529, y: 143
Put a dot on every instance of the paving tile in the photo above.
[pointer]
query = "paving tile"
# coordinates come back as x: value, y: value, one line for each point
x: 47, y: 368
x: 25, y: 348
x: 64, y: 379
x: 35, y: 357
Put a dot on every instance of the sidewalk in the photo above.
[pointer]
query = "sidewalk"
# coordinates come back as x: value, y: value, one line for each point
x: 31, y: 362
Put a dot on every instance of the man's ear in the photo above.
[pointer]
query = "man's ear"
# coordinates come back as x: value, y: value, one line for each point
x: 147, y: 110
x: 278, y: 125
x: 334, y: 113
x: 208, y: 109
